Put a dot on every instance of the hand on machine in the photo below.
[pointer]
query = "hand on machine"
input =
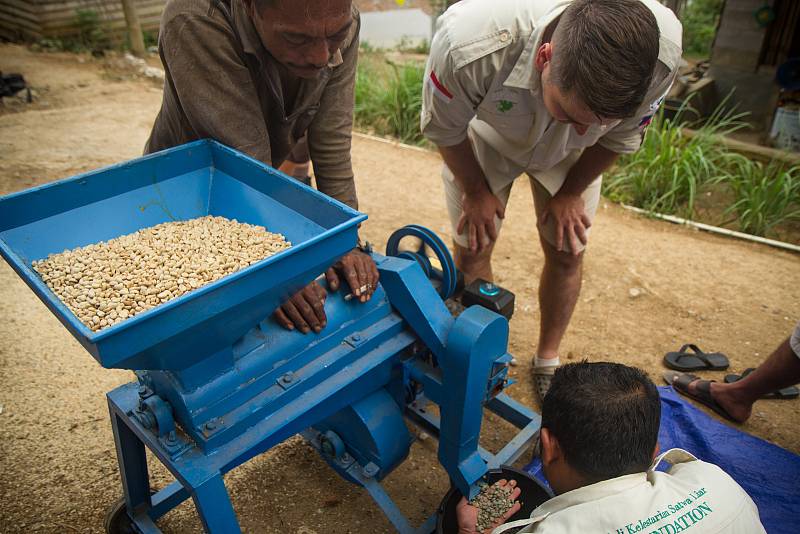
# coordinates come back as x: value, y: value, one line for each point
x: 305, y: 310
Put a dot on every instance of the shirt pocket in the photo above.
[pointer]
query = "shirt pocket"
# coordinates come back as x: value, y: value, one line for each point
x: 508, y: 113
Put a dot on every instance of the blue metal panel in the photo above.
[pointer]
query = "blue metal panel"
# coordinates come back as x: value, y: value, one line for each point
x: 416, y: 300
x: 476, y: 340
x: 154, y: 188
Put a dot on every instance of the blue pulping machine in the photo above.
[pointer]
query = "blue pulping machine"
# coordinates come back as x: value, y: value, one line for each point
x: 219, y: 382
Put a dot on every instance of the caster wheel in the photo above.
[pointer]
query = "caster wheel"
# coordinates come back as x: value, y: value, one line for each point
x: 117, y: 520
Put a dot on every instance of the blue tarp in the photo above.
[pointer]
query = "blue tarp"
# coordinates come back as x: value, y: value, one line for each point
x: 769, y: 474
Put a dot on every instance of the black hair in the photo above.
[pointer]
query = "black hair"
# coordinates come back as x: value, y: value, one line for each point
x: 605, y: 417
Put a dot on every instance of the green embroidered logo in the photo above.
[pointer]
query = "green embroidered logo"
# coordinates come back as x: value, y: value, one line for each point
x: 504, y: 105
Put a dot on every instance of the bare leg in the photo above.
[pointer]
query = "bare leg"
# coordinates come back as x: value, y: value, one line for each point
x: 559, y: 288
x: 780, y: 370
x: 474, y: 265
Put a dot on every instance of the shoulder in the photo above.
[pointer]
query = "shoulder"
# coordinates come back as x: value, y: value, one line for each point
x: 203, y: 12
x: 473, y: 29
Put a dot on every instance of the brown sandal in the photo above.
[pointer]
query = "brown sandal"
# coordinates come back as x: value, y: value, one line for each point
x: 680, y: 383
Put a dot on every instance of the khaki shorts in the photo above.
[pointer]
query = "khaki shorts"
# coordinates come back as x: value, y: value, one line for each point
x: 453, y: 193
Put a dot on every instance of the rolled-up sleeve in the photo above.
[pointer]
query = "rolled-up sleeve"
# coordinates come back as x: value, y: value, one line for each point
x: 212, y: 85
x: 626, y: 137
x: 449, y: 95
x: 330, y: 134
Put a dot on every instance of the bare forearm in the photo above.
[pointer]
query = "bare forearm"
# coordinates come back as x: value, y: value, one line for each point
x: 462, y: 162
x: 593, y: 162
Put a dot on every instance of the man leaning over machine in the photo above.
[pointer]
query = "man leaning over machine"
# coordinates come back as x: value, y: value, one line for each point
x: 256, y: 75
x: 599, y: 447
x: 554, y: 89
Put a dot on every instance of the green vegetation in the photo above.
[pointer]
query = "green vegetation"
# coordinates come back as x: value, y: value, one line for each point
x: 700, y: 18
x: 389, y: 97
x: 765, y: 196
x: 671, y: 170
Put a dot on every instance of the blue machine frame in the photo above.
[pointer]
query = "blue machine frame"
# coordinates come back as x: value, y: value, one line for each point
x: 219, y: 383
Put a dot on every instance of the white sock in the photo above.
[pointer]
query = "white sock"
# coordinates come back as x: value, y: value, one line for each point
x: 546, y: 362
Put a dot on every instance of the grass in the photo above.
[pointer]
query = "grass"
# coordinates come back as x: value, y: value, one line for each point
x: 389, y: 97
x: 671, y: 169
x: 699, y: 19
x: 765, y: 196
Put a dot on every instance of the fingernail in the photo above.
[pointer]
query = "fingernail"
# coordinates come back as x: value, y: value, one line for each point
x: 306, y: 330
x: 324, y: 324
x: 317, y: 329
x: 290, y: 326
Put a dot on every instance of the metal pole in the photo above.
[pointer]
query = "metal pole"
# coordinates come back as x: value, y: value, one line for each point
x: 134, y: 28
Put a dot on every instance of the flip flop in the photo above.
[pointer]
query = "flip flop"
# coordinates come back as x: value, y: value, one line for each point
x: 785, y: 393
x: 697, y: 360
x: 680, y: 383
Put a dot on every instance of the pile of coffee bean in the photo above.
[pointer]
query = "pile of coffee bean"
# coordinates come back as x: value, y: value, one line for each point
x: 492, y: 502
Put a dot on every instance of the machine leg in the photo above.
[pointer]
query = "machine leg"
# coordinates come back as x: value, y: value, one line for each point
x: 132, y: 465
x: 214, y: 506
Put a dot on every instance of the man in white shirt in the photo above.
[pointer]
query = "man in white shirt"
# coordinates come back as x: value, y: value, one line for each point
x: 598, y: 443
x: 556, y: 89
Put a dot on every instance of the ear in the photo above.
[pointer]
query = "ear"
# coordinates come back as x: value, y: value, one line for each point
x: 543, y: 56
x: 656, y: 450
x: 551, y: 450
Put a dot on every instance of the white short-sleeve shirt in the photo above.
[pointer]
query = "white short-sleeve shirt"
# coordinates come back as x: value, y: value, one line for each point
x: 481, y: 82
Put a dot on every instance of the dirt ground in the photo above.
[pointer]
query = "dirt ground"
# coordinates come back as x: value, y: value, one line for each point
x: 58, y: 470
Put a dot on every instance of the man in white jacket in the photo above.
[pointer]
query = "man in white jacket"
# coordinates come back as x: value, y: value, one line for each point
x: 599, y: 452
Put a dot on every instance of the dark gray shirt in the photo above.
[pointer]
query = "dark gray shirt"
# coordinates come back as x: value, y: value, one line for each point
x: 221, y: 83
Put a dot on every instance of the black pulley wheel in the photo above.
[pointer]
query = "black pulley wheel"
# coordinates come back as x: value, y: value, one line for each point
x: 118, y: 521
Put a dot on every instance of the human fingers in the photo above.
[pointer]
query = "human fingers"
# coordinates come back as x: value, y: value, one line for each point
x: 332, y: 278
x: 473, y: 238
x: 374, y: 277
x: 281, y: 318
x: 305, y: 302
x: 515, y: 494
x: 587, y: 223
x: 360, y: 264
x: 573, y: 239
x: 348, y: 270
x: 491, y: 230
x: 559, y: 237
x: 461, y: 222
x: 481, y: 238
x: 511, y: 511
x: 295, y: 316
x: 315, y: 295
x: 501, y: 209
x: 581, y: 231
